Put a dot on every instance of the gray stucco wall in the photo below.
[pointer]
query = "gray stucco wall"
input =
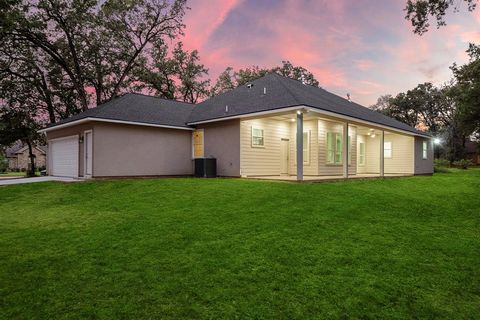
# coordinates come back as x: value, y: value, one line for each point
x: 222, y: 141
x: 423, y: 166
x: 131, y: 150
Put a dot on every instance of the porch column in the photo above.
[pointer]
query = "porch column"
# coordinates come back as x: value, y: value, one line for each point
x: 382, y: 155
x: 299, y: 145
x: 345, y: 150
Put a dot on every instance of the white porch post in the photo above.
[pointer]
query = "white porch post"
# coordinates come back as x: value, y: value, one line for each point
x: 345, y: 150
x: 382, y: 155
x: 299, y: 145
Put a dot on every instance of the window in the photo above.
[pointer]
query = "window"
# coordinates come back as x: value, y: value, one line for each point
x: 387, y: 149
x: 257, y: 137
x: 334, y: 148
x: 198, y: 143
x: 306, y: 147
x: 361, y: 155
x: 349, y: 154
x: 425, y: 150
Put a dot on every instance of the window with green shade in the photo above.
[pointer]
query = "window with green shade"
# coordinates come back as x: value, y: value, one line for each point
x: 306, y: 147
x: 334, y: 148
x: 257, y: 137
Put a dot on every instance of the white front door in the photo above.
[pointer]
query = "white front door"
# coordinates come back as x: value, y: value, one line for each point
x: 87, y: 140
x: 284, y: 148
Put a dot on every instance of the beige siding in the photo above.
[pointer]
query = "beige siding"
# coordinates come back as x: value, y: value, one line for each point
x: 310, y: 166
x: 423, y: 166
x: 222, y: 141
x: 372, y: 154
x: 262, y: 160
x: 402, y: 154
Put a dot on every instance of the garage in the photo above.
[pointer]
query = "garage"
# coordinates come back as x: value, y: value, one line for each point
x: 64, y: 157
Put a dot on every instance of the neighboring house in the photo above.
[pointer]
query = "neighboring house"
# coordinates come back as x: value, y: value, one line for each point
x: 472, y: 150
x: 251, y: 131
x: 18, y: 156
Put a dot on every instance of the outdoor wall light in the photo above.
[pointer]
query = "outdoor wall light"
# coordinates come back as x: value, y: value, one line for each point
x: 80, y: 139
x: 437, y: 141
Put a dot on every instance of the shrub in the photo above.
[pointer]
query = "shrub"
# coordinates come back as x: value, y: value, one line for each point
x: 3, y: 164
x: 463, y: 163
x: 23, y: 169
x: 441, y: 165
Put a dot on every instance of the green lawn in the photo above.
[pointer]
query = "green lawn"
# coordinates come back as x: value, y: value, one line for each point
x: 227, y: 248
x: 12, y: 174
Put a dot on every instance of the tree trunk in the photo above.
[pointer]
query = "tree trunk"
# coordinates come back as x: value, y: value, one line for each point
x: 31, y: 171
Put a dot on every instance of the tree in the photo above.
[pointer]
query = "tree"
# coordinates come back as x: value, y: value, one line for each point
x: 419, y: 12
x: 467, y: 90
x: 180, y: 76
x: 230, y: 79
x: 17, y: 124
x: 82, y: 47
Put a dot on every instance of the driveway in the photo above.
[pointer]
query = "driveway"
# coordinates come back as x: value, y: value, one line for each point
x: 37, y: 179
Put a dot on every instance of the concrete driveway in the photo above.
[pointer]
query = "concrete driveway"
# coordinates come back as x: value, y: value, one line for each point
x: 5, y: 182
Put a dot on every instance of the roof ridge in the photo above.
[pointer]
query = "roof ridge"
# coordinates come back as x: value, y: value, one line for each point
x: 287, y: 88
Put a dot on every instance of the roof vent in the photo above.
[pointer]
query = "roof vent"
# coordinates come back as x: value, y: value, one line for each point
x: 348, y: 97
x: 264, y: 90
x: 226, y: 109
x: 250, y: 85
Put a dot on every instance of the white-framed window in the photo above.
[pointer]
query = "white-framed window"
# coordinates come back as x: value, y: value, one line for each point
x: 361, y: 153
x: 306, y: 147
x: 258, y: 138
x: 334, y: 148
x: 197, y: 143
x: 387, y: 149
x: 425, y: 150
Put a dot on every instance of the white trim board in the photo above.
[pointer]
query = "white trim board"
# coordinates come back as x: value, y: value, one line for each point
x: 76, y: 122
x: 309, y: 109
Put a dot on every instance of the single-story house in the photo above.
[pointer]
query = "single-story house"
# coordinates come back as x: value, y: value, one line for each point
x: 19, y: 159
x: 274, y: 127
x: 472, y: 151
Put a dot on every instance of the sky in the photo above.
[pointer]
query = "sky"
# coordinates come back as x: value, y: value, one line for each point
x: 365, y: 48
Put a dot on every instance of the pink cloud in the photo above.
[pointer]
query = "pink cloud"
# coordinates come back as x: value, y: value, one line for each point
x: 363, y: 64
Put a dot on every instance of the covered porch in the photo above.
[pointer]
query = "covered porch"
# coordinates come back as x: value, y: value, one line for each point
x: 304, y: 145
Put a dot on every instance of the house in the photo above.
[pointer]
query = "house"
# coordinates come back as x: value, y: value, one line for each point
x: 273, y: 127
x: 18, y: 156
x: 472, y: 151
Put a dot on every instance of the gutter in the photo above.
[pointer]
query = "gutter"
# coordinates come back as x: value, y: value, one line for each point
x: 91, y: 119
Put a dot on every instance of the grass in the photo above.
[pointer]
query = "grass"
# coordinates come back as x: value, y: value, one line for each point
x: 12, y: 174
x: 226, y: 248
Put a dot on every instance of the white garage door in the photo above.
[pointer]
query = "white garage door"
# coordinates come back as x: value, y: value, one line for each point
x: 64, y: 153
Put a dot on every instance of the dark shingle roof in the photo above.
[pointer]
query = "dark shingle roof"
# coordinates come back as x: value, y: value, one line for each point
x: 139, y: 108
x: 284, y: 92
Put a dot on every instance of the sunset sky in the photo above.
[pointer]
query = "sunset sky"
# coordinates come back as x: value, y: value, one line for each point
x: 365, y: 48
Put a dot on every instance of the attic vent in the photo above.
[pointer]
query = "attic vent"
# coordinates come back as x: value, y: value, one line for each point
x: 264, y: 90
x: 226, y: 109
x: 250, y: 85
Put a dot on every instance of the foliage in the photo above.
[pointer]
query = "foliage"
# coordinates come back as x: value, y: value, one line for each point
x: 230, y: 79
x: 68, y: 51
x: 222, y: 249
x: 17, y: 123
x: 419, y: 12
x: 467, y: 86
x: 463, y: 163
x: 180, y: 76
x: 3, y: 164
x: 441, y: 165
